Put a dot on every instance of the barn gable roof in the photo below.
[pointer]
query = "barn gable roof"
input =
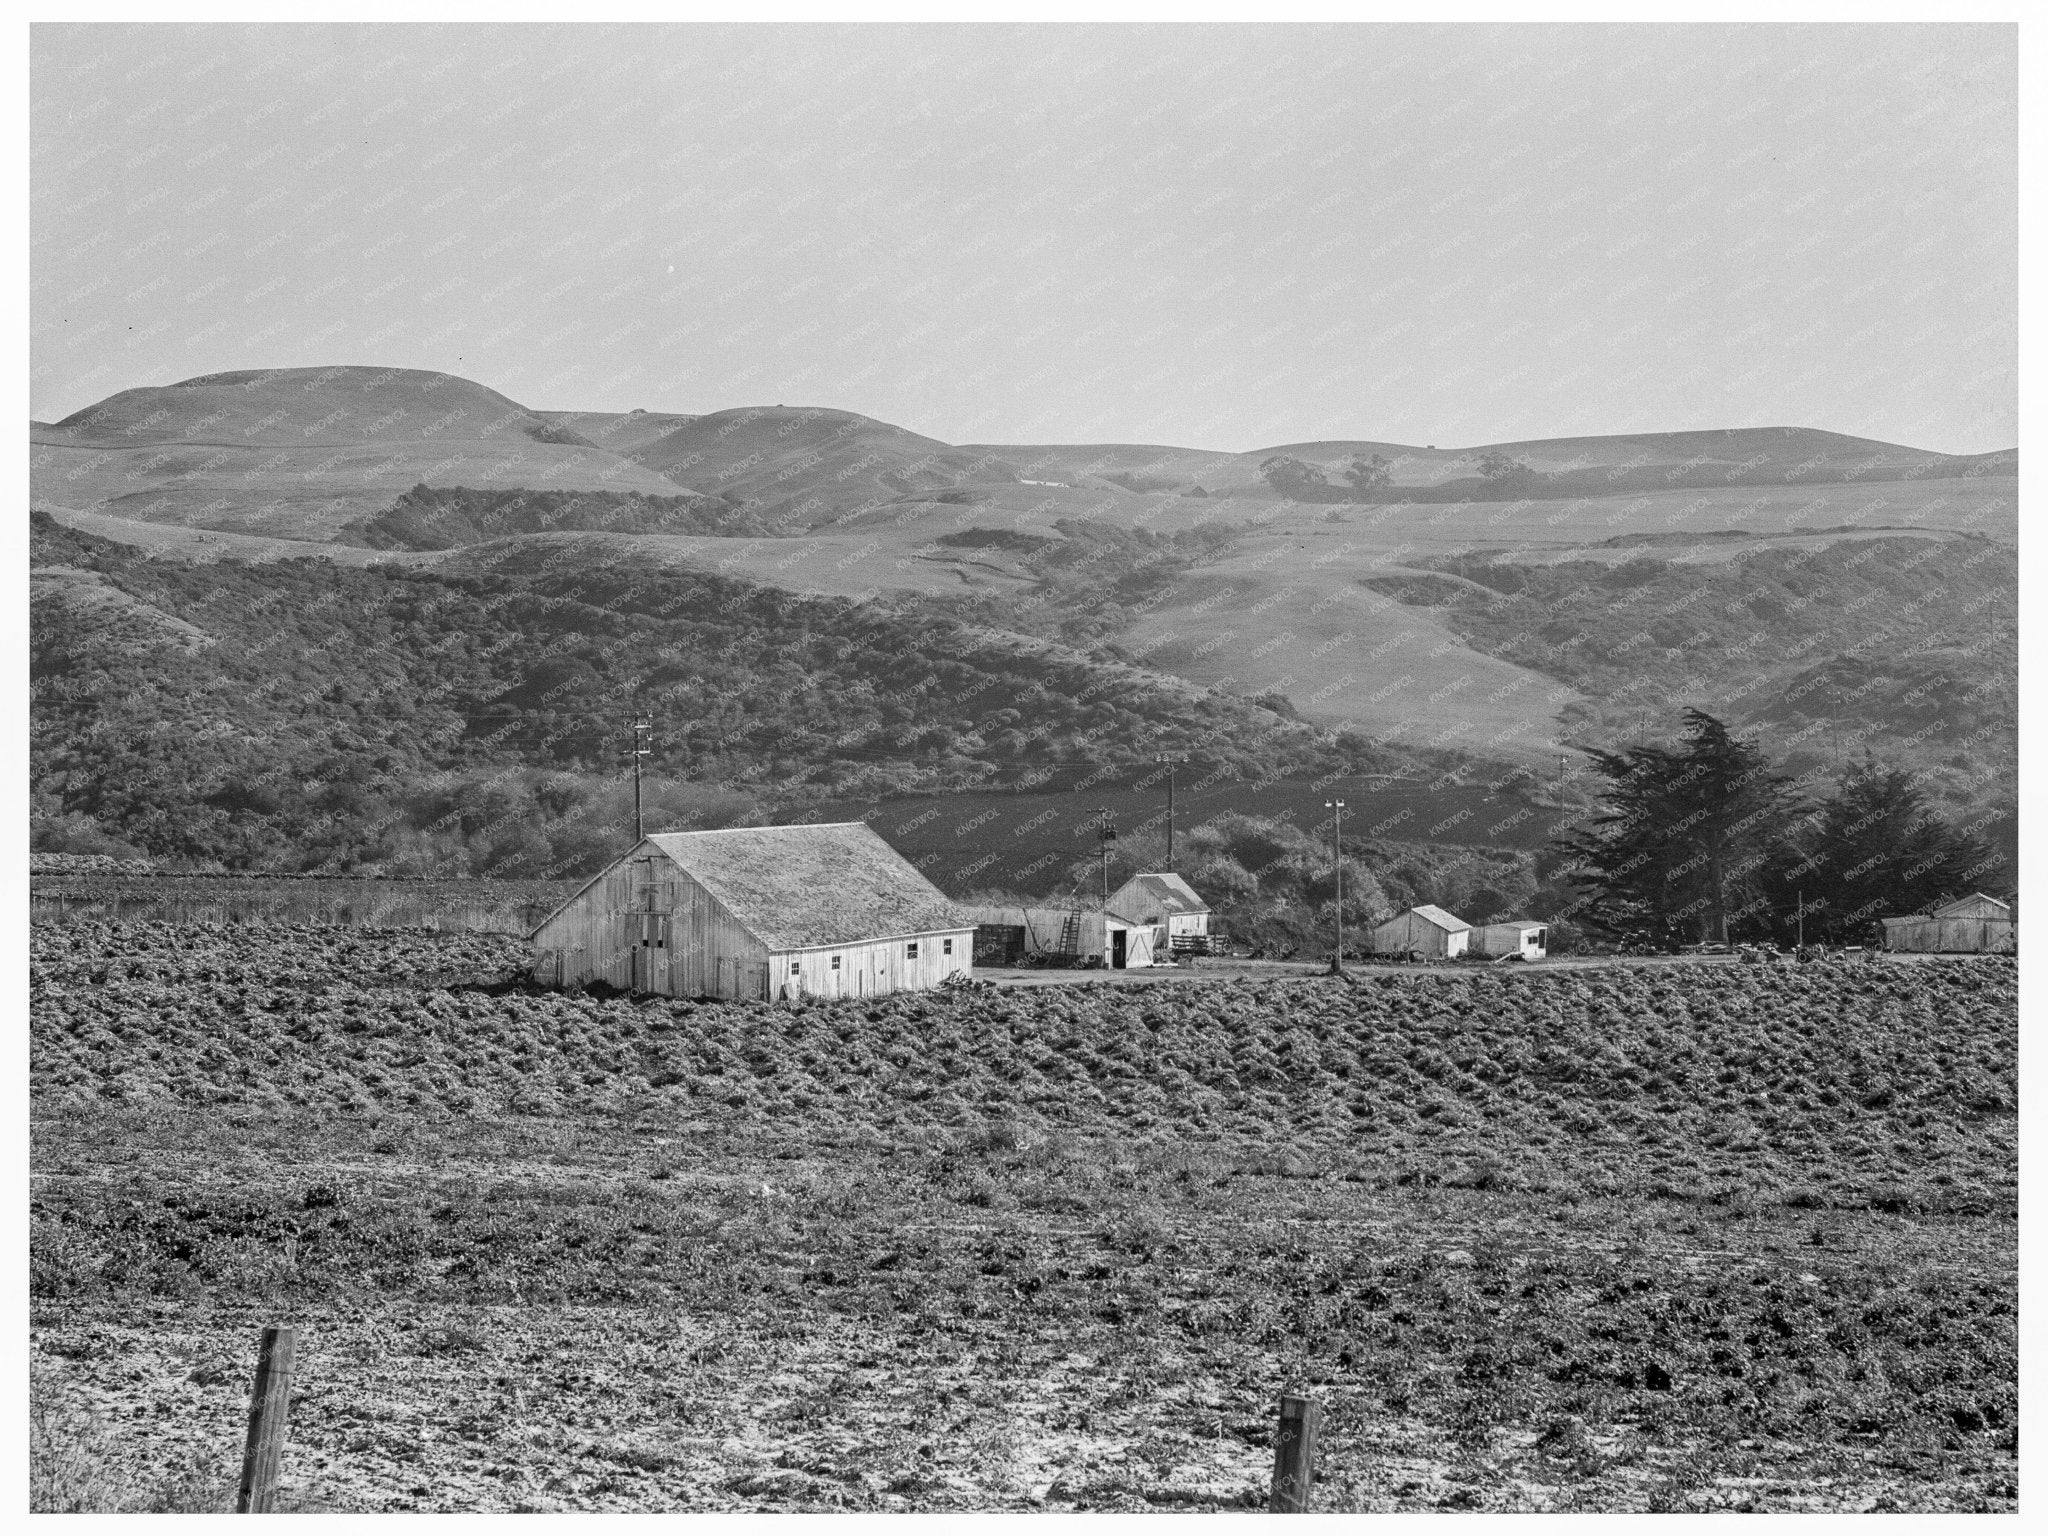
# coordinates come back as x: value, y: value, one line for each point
x: 1519, y: 924
x: 1141, y: 895
x: 1976, y: 904
x: 1441, y: 918
x: 795, y: 887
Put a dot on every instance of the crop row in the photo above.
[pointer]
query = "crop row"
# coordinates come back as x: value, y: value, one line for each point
x: 1890, y: 1084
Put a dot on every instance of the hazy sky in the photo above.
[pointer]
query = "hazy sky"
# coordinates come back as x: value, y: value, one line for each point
x: 1220, y: 237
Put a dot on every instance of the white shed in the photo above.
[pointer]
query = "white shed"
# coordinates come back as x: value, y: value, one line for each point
x: 758, y: 912
x: 1164, y: 902
x: 1429, y: 931
x: 1079, y: 934
x: 1511, y: 938
x: 1120, y: 943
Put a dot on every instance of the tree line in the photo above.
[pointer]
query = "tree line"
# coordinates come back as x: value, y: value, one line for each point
x: 1704, y: 841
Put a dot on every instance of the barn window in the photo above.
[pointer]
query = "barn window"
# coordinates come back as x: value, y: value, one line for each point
x: 794, y: 967
x: 948, y: 946
x: 835, y: 962
x: 910, y: 950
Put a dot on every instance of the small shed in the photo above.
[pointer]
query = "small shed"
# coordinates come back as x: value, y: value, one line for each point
x: 1120, y: 943
x: 1074, y: 934
x: 1167, y: 903
x: 1429, y: 931
x: 758, y: 912
x: 1518, y: 937
x: 1973, y: 924
x: 1012, y: 935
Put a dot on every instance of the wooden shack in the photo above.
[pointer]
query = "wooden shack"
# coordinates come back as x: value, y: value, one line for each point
x: 1428, y: 931
x: 1973, y: 924
x: 1168, y: 904
x: 758, y: 912
x: 1069, y: 935
x: 1119, y: 943
x: 1518, y: 937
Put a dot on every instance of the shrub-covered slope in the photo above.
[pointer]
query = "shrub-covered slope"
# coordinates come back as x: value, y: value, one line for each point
x: 402, y: 722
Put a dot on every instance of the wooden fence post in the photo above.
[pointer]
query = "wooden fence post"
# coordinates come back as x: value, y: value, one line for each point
x: 268, y: 1401
x: 1294, y: 1454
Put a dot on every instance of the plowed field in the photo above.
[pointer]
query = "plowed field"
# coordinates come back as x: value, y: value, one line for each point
x: 1691, y: 1238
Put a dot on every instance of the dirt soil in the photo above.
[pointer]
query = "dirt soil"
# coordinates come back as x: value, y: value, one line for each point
x: 1672, y: 1238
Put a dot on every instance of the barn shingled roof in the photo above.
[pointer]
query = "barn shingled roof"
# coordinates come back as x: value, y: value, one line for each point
x: 1976, y: 904
x: 792, y: 887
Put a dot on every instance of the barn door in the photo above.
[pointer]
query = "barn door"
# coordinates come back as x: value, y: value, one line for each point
x: 1116, y: 949
x: 660, y: 954
x: 647, y: 935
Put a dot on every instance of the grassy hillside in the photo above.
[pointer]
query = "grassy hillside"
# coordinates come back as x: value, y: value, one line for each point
x: 1182, y: 562
x: 275, y: 445
x: 806, y: 466
x: 1556, y: 468
x: 300, y: 452
x: 620, y: 431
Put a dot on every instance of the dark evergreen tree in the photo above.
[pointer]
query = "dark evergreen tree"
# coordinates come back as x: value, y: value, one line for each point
x: 1684, y: 847
x: 1872, y: 849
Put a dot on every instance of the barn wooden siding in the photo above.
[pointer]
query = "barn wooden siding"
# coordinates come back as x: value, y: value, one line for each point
x: 651, y: 928
x: 1949, y: 935
x: 1161, y: 899
x: 1972, y: 924
x: 872, y: 968
x: 1043, y: 927
x: 1098, y: 930
x: 1524, y: 939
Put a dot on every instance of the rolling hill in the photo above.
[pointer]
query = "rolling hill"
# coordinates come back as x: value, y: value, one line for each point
x: 1187, y: 562
x: 301, y: 452
x: 1556, y: 467
x: 807, y: 466
x: 621, y: 431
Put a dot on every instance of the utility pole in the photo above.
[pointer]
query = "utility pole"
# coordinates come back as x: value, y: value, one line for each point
x: 1802, y: 920
x: 1105, y: 837
x: 1337, y: 848
x: 1170, y: 761
x: 643, y: 734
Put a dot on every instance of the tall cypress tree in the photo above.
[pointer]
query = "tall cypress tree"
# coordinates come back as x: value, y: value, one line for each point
x: 1874, y: 848
x: 1687, y: 838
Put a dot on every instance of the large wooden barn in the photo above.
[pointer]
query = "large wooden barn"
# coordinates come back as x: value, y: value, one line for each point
x: 758, y: 912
